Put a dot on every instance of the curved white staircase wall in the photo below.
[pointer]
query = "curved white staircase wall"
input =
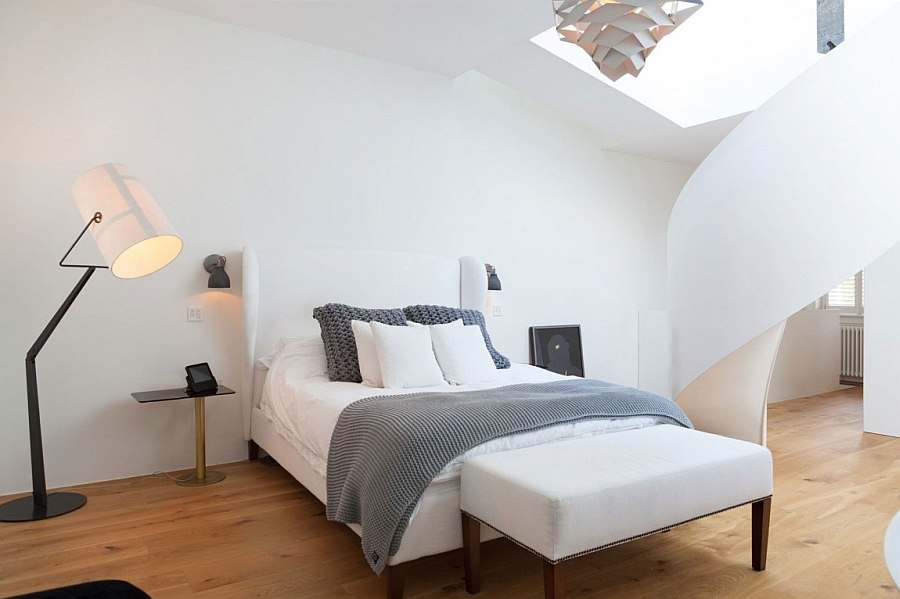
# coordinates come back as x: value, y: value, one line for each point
x: 730, y: 398
x: 801, y: 195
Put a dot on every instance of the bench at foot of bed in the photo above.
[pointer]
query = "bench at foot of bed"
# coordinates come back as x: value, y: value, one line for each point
x: 572, y: 498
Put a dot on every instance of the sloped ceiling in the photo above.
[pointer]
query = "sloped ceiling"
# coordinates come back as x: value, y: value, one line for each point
x: 451, y: 37
x: 446, y: 37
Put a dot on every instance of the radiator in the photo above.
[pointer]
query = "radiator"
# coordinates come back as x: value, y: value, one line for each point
x: 852, y: 350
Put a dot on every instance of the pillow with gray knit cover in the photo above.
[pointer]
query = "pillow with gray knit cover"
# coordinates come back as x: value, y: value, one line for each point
x: 337, y: 335
x: 445, y: 314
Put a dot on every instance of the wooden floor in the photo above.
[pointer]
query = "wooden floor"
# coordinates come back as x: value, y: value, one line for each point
x: 259, y: 534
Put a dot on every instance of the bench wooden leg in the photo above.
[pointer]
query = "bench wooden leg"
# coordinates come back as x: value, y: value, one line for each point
x: 471, y: 529
x: 395, y: 577
x: 761, y: 511
x: 554, y: 581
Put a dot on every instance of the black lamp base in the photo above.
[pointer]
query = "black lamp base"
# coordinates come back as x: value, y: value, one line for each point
x: 24, y: 509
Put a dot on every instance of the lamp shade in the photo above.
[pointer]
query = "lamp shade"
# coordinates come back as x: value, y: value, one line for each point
x: 134, y: 237
x: 219, y: 279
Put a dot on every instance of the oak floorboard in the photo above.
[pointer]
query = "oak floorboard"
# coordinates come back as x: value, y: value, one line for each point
x: 260, y: 534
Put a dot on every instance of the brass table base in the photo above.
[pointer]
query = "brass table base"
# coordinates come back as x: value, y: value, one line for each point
x: 201, y: 477
x: 212, y: 478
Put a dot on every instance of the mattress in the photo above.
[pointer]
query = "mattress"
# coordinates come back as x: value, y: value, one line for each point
x: 304, y: 410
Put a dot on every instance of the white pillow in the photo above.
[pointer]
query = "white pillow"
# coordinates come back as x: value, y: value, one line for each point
x: 369, y: 366
x: 406, y: 357
x: 306, y: 356
x: 462, y: 355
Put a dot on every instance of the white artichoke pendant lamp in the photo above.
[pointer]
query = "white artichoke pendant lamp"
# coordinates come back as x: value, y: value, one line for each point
x: 619, y: 35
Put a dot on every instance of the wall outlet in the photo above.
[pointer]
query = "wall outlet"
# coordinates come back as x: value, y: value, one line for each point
x: 194, y: 314
x: 498, y: 310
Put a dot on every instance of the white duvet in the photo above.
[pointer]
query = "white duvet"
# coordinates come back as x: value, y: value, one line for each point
x: 305, y: 410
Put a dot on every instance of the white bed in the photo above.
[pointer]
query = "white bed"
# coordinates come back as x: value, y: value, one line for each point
x: 295, y: 422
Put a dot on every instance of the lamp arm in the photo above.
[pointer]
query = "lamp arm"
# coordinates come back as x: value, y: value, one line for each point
x: 95, y: 219
x: 67, y: 303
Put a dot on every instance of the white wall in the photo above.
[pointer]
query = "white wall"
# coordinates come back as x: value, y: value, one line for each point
x: 881, y: 346
x: 654, y: 348
x: 245, y: 138
x: 809, y: 357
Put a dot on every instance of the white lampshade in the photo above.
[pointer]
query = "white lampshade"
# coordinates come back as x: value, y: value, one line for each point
x: 134, y: 237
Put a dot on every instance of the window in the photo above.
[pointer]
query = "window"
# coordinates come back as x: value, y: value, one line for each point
x: 848, y: 297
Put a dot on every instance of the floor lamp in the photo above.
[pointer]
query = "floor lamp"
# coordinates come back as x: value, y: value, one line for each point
x: 135, y: 239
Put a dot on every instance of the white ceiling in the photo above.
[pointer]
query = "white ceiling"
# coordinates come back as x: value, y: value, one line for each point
x: 451, y: 37
x: 704, y: 71
x: 726, y: 59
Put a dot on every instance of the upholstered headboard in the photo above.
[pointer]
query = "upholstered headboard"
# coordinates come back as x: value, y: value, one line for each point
x: 281, y: 288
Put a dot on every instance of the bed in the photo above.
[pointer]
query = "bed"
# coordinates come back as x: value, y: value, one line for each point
x: 280, y: 290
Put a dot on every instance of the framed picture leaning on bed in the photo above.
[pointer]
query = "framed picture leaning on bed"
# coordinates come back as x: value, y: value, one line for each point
x: 557, y: 348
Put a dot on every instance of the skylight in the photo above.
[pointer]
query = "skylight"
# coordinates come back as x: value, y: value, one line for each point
x: 727, y: 59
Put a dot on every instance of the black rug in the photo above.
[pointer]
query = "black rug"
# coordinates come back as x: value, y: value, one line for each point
x: 101, y: 589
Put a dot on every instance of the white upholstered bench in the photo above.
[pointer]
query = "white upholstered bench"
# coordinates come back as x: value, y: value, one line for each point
x: 574, y: 497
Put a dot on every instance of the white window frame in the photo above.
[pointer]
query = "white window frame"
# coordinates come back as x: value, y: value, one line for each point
x: 858, y: 309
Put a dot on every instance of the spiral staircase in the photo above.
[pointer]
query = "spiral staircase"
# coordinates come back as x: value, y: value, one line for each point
x: 802, y: 194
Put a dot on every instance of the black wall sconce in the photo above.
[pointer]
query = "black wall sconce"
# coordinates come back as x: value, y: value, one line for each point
x: 492, y: 278
x: 215, y: 266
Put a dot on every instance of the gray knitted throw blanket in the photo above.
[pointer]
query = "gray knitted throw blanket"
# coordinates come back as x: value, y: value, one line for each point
x: 386, y: 450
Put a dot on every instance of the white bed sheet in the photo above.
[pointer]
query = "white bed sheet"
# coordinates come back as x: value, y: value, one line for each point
x: 305, y: 410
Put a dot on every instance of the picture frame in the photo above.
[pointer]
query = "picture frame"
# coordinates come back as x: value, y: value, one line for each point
x: 557, y: 348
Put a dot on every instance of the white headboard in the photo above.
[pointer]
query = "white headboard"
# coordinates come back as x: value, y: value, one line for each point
x: 281, y: 288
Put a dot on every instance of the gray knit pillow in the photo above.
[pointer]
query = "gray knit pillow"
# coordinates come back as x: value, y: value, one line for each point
x: 445, y: 314
x: 337, y: 335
